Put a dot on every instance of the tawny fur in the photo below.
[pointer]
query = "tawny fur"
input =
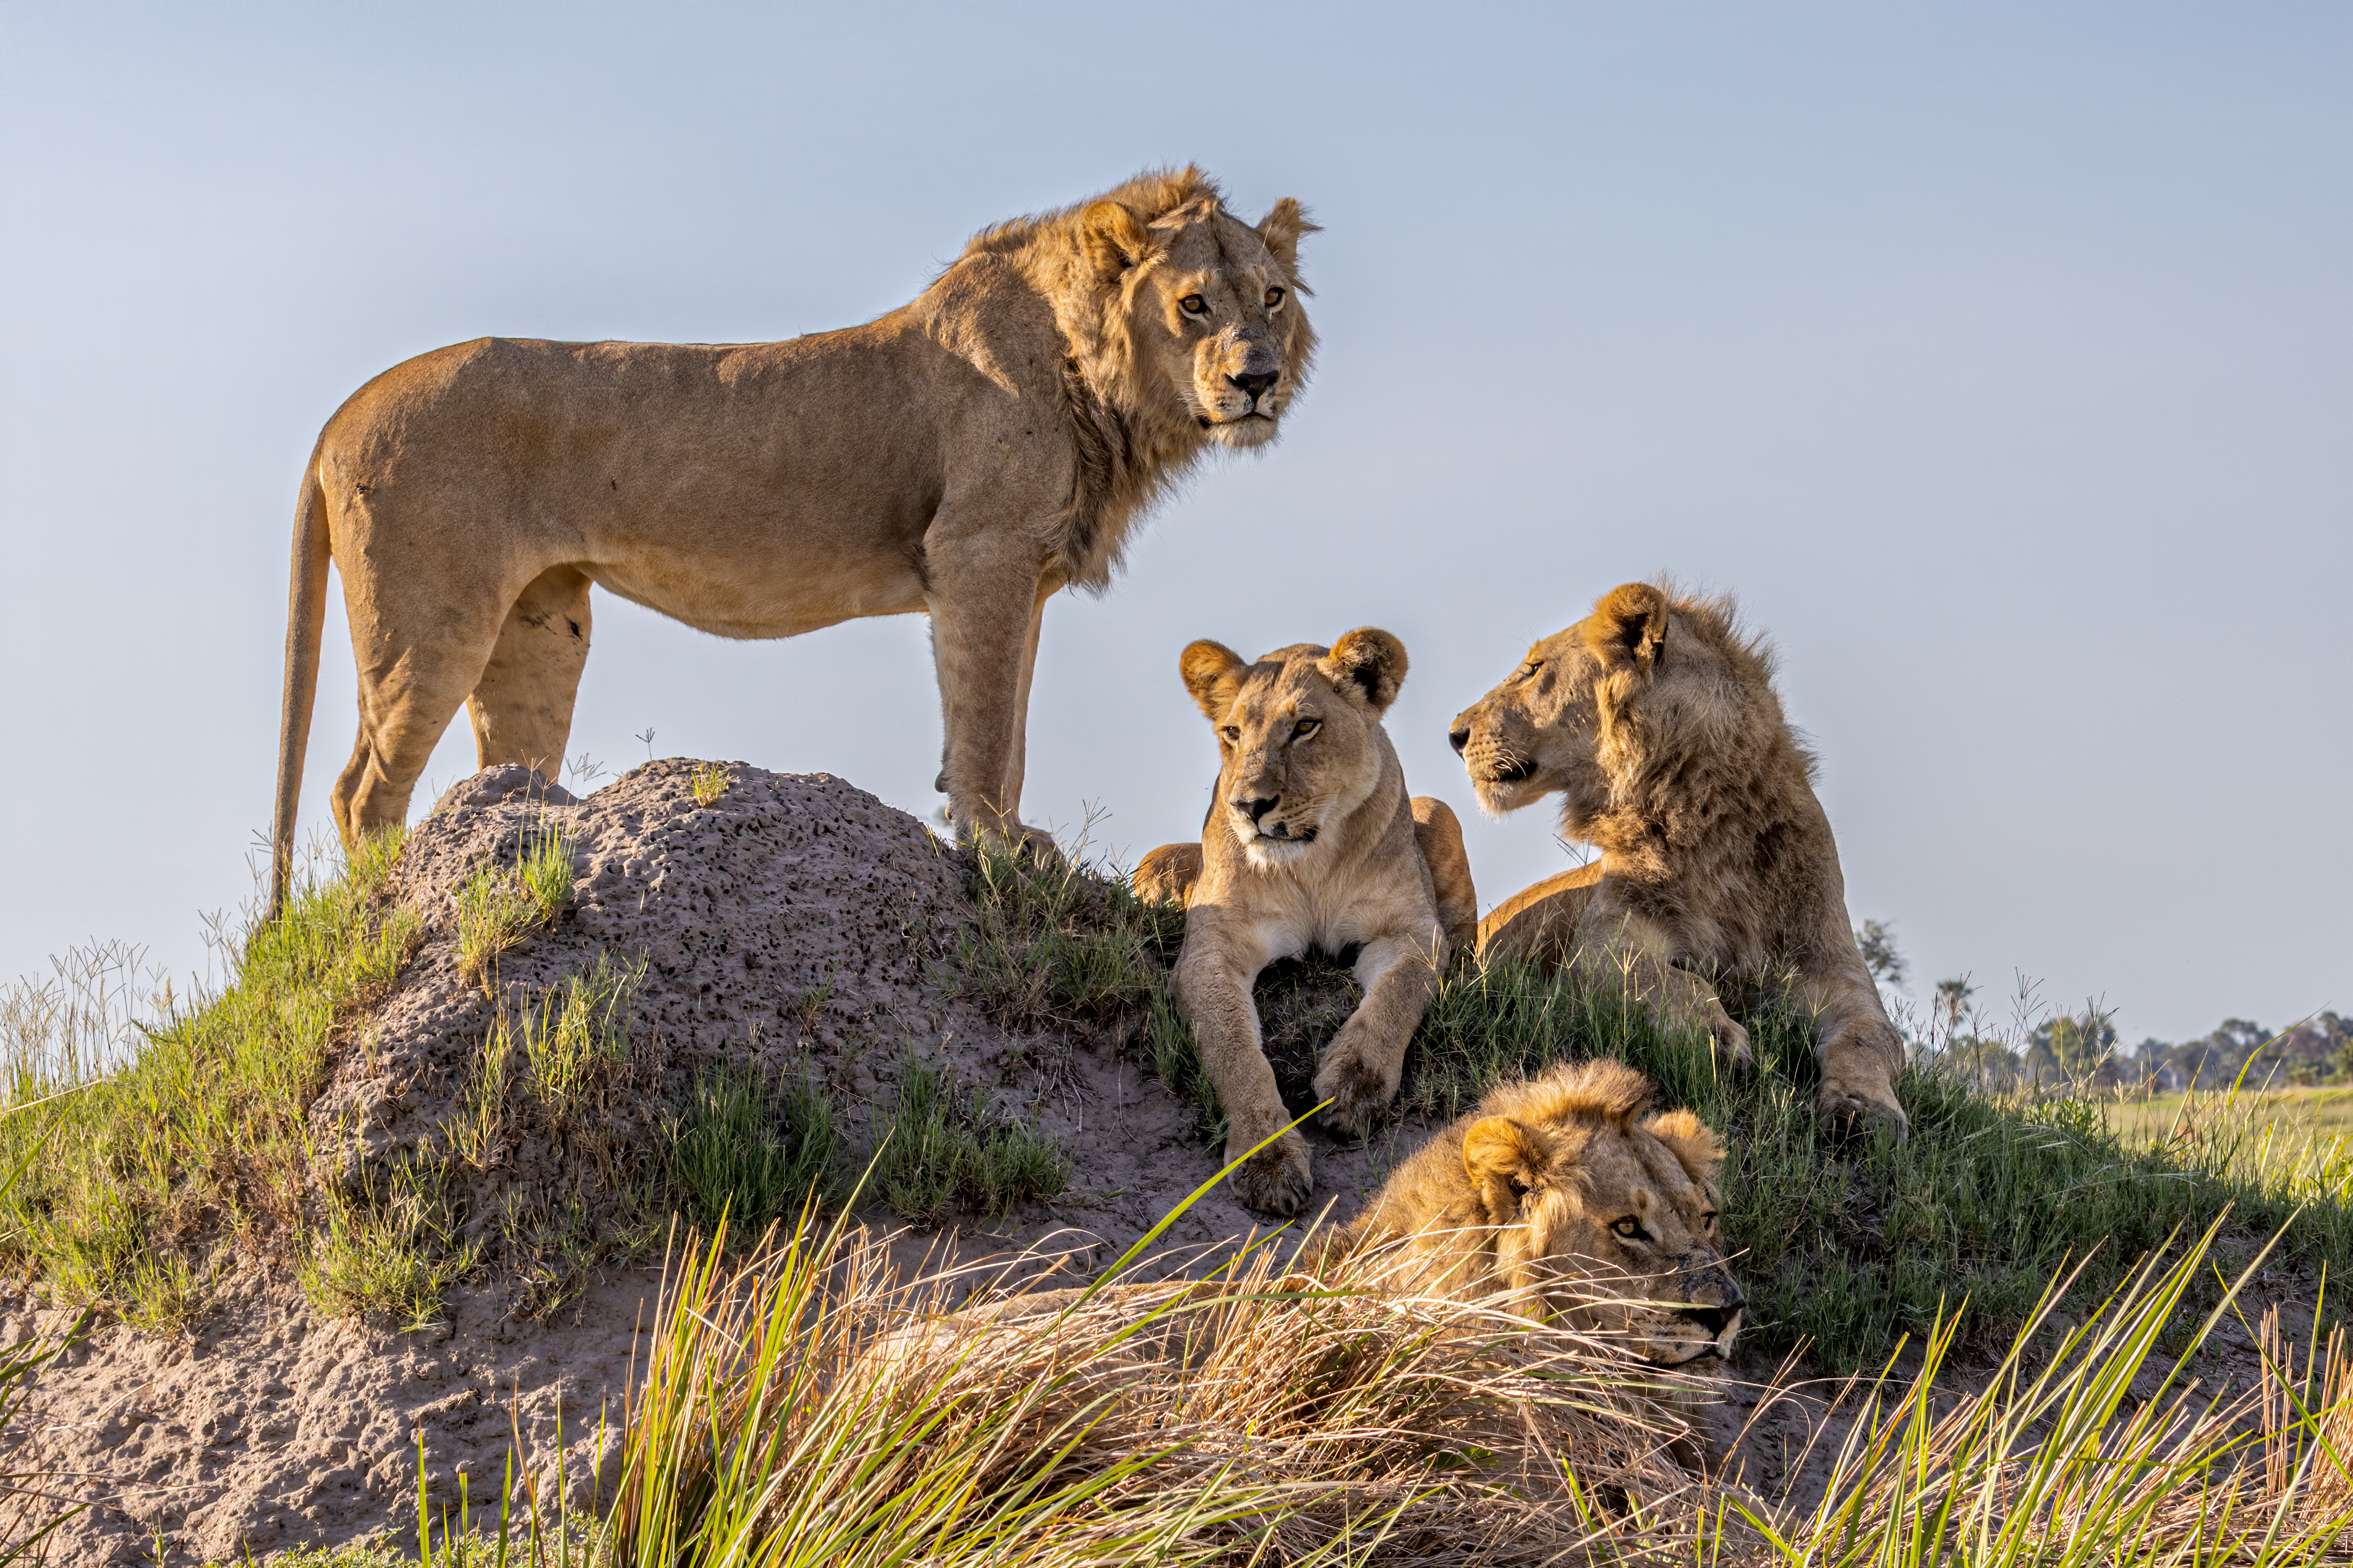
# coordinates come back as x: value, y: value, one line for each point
x: 964, y: 456
x: 1312, y: 842
x: 1656, y: 722
x: 1557, y: 1198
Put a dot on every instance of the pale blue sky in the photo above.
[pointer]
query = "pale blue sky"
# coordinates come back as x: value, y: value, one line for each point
x: 1998, y: 357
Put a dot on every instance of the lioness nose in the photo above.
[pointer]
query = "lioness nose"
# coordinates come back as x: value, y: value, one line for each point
x: 1255, y: 382
x: 1459, y: 737
x: 1255, y: 810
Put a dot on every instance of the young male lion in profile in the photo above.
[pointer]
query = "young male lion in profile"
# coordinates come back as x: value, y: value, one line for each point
x: 1656, y: 720
x: 963, y: 457
x: 1552, y: 1199
x: 1310, y: 842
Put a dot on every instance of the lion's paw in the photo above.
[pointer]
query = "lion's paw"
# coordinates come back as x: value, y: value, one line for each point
x: 1862, y: 1109
x: 1276, y: 1179
x: 1356, y: 1090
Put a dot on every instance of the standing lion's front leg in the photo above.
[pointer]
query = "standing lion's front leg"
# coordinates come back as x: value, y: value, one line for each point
x: 1365, y: 1059
x: 1212, y: 986
x: 985, y: 600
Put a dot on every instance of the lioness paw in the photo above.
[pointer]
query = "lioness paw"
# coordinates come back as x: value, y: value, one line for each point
x: 1356, y: 1090
x: 1276, y: 1180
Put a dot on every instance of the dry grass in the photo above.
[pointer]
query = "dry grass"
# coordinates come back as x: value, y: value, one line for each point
x: 811, y: 1407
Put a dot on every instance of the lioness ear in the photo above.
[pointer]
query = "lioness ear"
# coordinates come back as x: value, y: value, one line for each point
x: 1502, y: 1160
x: 1281, y: 227
x: 1115, y: 238
x: 1213, y: 674
x: 1691, y: 1140
x: 1370, y: 660
x: 1629, y: 625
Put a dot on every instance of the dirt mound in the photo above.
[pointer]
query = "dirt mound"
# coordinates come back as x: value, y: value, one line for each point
x: 791, y: 928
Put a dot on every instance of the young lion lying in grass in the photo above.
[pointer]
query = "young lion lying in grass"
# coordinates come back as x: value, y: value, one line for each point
x: 1656, y: 720
x: 1313, y: 841
x: 1556, y: 1200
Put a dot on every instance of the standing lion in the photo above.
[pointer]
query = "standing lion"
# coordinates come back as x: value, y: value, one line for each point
x: 963, y: 456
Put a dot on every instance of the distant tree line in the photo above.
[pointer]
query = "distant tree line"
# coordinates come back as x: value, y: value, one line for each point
x: 2083, y: 1047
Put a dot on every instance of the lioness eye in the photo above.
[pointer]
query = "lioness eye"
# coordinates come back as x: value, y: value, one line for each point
x: 1306, y: 727
x: 1629, y: 1227
x: 1232, y: 731
x: 1274, y: 298
x: 1195, y: 305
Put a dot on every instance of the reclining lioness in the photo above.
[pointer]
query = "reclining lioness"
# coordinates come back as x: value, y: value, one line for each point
x: 1312, y: 842
x: 1655, y: 721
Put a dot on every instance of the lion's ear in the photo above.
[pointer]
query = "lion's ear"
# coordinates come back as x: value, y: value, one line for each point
x: 1691, y: 1140
x: 1281, y: 227
x: 1629, y: 625
x: 1114, y: 237
x: 1502, y: 1160
x: 1371, y: 661
x: 1213, y: 674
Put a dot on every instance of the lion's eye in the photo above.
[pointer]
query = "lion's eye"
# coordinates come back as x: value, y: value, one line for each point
x: 1306, y: 727
x: 1708, y: 1219
x: 1274, y: 298
x: 1631, y: 1228
x: 1232, y: 731
x: 1193, y: 305
x: 1529, y: 671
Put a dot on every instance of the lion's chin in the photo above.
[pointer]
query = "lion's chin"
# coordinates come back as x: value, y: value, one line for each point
x: 1500, y: 796
x: 1241, y: 434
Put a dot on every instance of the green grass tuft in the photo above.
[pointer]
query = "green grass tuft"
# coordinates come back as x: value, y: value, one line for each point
x: 388, y: 1255
x: 941, y: 1151
x: 1064, y: 945
x: 750, y: 1147
x: 499, y: 905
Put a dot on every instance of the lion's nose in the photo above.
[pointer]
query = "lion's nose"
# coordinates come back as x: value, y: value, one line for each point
x: 1711, y: 1318
x: 1254, y: 383
x: 1459, y: 737
x: 1717, y: 1315
x: 1253, y: 809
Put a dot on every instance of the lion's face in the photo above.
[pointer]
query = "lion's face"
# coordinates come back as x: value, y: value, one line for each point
x: 1545, y: 730
x: 1213, y: 310
x: 1611, y: 1223
x: 1299, y: 737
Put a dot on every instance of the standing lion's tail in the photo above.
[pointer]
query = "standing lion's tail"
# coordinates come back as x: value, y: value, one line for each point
x: 305, y: 600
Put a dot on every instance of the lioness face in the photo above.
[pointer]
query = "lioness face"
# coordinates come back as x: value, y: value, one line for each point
x: 1615, y: 1227
x: 1213, y: 310
x: 1299, y: 737
x: 1545, y: 730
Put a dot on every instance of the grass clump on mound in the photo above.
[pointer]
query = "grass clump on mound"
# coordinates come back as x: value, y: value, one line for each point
x: 499, y: 905
x: 750, y: 1148
x: 149, y: 1166
x: 942, y: 1150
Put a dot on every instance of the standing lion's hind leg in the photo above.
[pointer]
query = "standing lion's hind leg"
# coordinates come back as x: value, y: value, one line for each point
x: 407, y: 701
x: 522, y: 705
